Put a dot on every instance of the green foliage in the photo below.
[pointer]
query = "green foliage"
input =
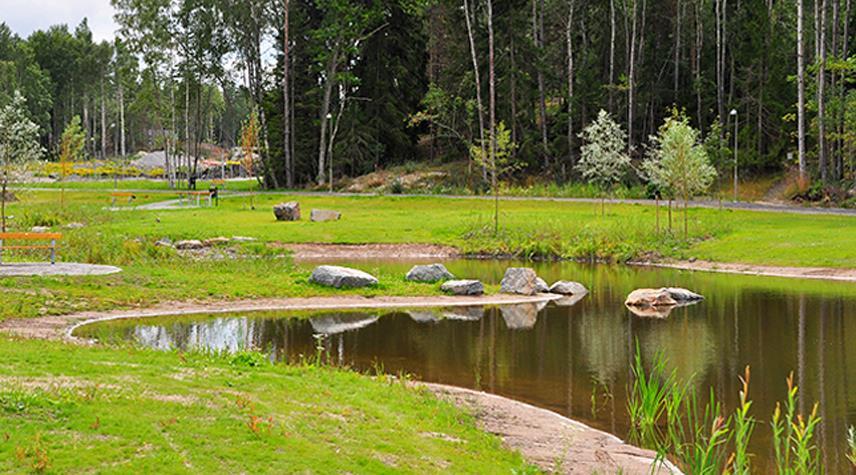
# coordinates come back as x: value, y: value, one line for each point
x: 677, y: 160
x: 604, y: 160
x: 19, y: 136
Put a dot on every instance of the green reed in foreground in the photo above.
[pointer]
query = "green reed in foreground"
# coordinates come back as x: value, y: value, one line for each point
x: 667, y: 416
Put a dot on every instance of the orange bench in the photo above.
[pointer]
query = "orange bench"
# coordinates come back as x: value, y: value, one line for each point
x: 121, y: 194
x: 52, y: 237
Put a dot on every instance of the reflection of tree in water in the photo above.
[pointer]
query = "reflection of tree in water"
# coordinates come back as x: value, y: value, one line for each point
x: 218, y: 334
x: 684, y: 340
x: 604, y: 344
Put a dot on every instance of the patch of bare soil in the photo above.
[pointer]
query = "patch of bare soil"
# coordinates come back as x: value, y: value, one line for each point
x: 823, y: 273
x: 552, y: 442
x: 309, y: 251
x: 60, y: 326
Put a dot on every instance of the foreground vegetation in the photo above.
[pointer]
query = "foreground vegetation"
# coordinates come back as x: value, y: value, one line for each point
x: 66, y: 408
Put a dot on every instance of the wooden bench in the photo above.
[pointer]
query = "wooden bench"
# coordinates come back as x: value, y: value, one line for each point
x: 52, y: 237
x: 189, y: 194
x: 122, y: 194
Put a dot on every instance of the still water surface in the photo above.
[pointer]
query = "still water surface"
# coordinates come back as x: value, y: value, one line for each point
x: 575, y: 359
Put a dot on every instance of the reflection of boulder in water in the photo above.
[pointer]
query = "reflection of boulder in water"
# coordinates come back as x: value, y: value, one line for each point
x: 662, y: 311
x: 568, y: 300
x: 521, y: 316
x: 424, y: 316
x: 469, y: 313
x: 338, y: 323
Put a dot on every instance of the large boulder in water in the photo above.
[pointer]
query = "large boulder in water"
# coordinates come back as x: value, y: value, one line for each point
x: 519, y: 280
x: 287, y: 211
x: 541, y: 286
x: 463, y: 287
x: 336, y: 276
x: 429, y: 273
x: 662, y: 297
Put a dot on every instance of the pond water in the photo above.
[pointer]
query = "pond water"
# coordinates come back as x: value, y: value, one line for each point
x: 575, y: 359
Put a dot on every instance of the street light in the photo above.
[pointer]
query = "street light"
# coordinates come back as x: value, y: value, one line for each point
x: 330, y: 151
x: 733, y: 113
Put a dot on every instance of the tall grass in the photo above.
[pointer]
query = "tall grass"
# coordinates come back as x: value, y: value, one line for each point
x: 793, y: 436
x: 667, y: 416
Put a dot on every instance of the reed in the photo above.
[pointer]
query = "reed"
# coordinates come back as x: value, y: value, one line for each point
x: 793, y: 436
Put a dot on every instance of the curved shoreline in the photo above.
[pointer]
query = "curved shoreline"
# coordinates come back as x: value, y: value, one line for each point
x: 545, y: 438
x: 61, y: 327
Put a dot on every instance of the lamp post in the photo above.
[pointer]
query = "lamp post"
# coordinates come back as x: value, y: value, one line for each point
x: 733, y: 113
x: 330, y: 152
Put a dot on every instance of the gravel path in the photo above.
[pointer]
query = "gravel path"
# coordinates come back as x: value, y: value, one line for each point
x: 713, y: 204
x: 22, y: 269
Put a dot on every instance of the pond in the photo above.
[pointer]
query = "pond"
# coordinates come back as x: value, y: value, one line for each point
x: 575, y: 359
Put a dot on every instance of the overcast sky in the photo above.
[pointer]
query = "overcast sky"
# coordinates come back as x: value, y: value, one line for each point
x: 26, y: 16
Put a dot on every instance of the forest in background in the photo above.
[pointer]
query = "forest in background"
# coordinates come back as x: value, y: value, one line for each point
x: 355, y: 86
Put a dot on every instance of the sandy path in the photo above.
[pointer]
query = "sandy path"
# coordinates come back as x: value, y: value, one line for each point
x: 822, y: 273
x: 60, y: 326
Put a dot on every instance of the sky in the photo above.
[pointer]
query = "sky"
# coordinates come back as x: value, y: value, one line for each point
x: 26, y: 16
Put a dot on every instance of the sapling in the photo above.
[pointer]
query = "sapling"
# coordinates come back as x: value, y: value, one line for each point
x: 604, y: 160
x: 19, y: 143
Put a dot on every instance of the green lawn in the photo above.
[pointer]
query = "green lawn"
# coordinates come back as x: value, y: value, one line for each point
x: 529, y: 228
x: 67, y: 408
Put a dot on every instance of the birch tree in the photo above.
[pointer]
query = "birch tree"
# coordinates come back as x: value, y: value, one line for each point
x: 801, y: 92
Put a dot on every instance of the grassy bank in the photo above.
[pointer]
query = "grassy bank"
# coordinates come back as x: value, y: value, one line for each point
x: 528, y: 228
x: 66, y: 408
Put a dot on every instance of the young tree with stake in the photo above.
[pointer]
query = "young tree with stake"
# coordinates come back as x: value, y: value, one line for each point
x: 679, y: 161
x: 19, y: 143
x: 604, y: 159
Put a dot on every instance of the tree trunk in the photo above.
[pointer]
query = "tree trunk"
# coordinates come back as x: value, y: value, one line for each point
x: 103, y: 121
x: 513, y: 86
x: 570, y: 45
x: 676, y: 71
x: 631, y: 79
x: 821, y: 98
x: 537, y: 36
x: 492, y: 114
x: 187, y: 129
x: 611, y: 56
x: 332, y: 66
x: 286, y: 98
x: 844, y: 49
x: 477, y: 79
x: 699, y: 41
x: 122, y: 150
x: 801, y: 92
x: 3, y: 202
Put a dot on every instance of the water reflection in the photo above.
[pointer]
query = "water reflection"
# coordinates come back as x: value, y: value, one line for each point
x: 576, y: 359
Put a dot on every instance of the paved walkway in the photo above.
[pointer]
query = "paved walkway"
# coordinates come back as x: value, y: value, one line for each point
x: 23, y: 269
x: 742, y: 205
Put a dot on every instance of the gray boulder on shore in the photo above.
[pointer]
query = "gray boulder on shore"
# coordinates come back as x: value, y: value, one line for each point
x: 287, y: 211
x: 519, y: 280
x: 336, y: 276
x: 429, y: 273
x: 463, y: 287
